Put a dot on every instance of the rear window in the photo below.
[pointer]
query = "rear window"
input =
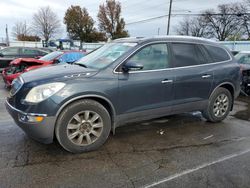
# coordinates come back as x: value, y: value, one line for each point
x: 187, y: 55
x: 217, y: 54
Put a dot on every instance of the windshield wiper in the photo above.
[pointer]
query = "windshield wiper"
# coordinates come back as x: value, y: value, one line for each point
x: 82, y: 65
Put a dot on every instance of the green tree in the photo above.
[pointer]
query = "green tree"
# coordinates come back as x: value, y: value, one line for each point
x: 80, y: 25
x: 23, y: 37
x: 110, y: 20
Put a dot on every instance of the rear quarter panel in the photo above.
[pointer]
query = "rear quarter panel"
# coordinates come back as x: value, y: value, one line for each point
x: 227, y: 72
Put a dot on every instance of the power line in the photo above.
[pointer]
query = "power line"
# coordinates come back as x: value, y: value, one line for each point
x: 147, y: 20
x: 198, y: 14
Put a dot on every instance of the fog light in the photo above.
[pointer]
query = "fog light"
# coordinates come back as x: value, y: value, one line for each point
x: 38, y: 118
x: 30, y: 119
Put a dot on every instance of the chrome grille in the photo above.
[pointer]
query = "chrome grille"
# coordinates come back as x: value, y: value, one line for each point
x: 16, y: 86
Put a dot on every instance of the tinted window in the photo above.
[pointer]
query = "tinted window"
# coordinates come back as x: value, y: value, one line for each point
x: 152, y: 57
x: 10, y: 51
x: 187, y: 55
x: 217, y: 54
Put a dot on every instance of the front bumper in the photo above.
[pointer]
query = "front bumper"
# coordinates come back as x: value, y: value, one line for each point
x: 42, y: 131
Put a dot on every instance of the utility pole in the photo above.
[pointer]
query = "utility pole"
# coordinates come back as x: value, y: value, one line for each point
x: 169, y: 15
x: 7, y: 36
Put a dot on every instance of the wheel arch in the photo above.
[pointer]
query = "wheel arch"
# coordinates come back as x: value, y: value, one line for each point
x: 102, y: 100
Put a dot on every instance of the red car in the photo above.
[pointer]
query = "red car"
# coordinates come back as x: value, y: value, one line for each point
x: 21, y: 65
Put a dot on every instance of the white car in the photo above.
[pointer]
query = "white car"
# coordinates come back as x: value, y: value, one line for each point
x: 243, y: 59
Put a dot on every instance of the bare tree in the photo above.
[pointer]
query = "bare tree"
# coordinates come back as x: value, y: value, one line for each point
x: 229, y: 21
x: 22, y: 32
x: 223, y: 24
x: 193, y: 27
x: 200, y: 28
x: 244, y: 17
x: 46, y: 23
x: 20, y: 28
x: 110, y: 20
x: 184, y: 27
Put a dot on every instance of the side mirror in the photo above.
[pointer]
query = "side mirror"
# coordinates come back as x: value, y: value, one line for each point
x: 1, y: 55
x: 131, y: 65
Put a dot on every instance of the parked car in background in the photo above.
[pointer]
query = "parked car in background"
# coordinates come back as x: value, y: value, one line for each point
x: 245, y: 86
x: 243, y: 59
x: 124, y: 81
x: 10, y: 53
x: 3, y: 45
x: 21, y: 65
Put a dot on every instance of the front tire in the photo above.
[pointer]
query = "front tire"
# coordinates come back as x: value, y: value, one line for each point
x: 219, y: 105
x: 83, y: 126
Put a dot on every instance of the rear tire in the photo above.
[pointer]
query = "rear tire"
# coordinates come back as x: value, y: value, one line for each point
x: 219, y: 105
x: 83, y: 126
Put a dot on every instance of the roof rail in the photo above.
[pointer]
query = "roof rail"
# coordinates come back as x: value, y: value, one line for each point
x: 183, y: 37
x: 127, y: 38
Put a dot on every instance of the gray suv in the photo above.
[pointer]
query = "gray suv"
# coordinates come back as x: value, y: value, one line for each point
x: 124, y: 81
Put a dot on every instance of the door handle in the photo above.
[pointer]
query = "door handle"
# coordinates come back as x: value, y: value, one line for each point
x: 206, y: 76
x: 166, y: 81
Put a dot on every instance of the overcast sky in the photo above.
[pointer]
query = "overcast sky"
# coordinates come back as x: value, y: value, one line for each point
x: 12, y: 11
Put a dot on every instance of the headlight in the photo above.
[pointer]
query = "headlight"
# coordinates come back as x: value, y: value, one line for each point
x: 42, y: 92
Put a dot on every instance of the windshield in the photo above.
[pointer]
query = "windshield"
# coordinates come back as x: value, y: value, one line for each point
x: 51, y: 56
x: 243, y: 58
x: 105, y: 55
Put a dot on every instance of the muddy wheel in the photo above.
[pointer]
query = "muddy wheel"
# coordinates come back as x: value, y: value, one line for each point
x: 219, y: 105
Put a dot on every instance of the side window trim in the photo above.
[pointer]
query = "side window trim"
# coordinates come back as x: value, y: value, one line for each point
x: 118, y: 70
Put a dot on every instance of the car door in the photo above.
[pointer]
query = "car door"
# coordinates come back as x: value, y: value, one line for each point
x: 147, y: 93
x: 194, y: 77
x: 8, y: 54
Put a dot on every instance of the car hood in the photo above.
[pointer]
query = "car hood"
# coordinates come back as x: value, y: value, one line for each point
x: 27, y: 61
x: 57, y: 72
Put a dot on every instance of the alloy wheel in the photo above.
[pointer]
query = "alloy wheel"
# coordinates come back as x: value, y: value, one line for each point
x: 85, y: 128
x: 221, y: 105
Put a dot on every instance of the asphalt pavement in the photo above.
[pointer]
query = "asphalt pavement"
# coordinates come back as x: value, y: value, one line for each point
x: 177, y: 151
